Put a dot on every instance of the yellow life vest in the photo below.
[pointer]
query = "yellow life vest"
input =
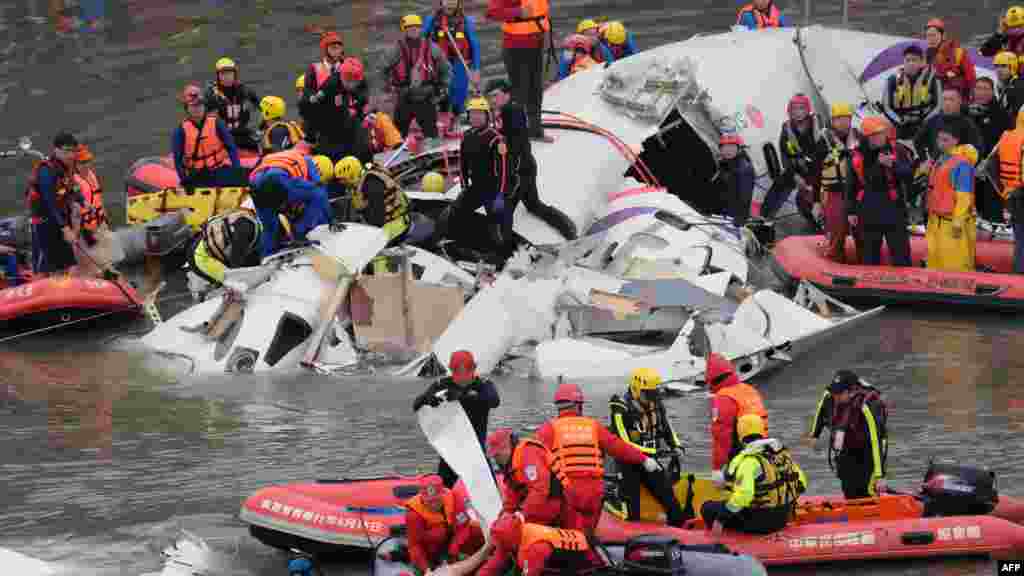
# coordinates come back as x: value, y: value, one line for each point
x: 777, y: 485
x: 913, y: 97
x: 396, y: 204
x: 295, y: 133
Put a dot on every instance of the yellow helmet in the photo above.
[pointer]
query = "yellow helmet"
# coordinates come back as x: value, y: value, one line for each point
x: 643, y: 380
x: 1015, y: 17
x: 585, y: 24
x: 749, y: 425
x: 225, y: 64
x: 478, y: 103
x: 410, y: 20
x: 272, y: 108
x: 348, y: 170
x: 1009, y: 59
x: 967, y: 152
x: 840, y: 109
x: 433, y: 182
x: 325, y: 167
x: 615, y: 33
x: 300, y: 82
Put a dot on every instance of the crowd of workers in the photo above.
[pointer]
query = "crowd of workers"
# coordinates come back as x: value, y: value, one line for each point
x: 553, y: 482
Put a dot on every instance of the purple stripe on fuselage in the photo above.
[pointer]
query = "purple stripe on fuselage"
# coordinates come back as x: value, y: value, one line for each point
x: 892, y: 57
x: 618, y: 217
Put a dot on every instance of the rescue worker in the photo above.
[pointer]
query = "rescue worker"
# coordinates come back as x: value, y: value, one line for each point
x: 477, y: 395
x: 738, y: 177
x: 288, y: 178
x: 952, y: 226
x: 438, y: 525
x: 618, y: 43
x: 386, y: 206
x: 1010, y: 90
x: 278, y: 134
x: 763, y: 483
x: 498, y: 92
x: 522, y: 177
x: 576, y: 55
x: 418, y: 73
x: 225, y: 241
x: 535, y: 549
x: 229, y: 98
x: 802, y: 147
x: 1014, y: 213
x: 50, y: 196
x: 992, y: 121
x: 876, y: 194
x: 380, y: 126
x: 1010, y: 35
x: 925, y: 141
x: 639, y: 418
x: 454, y: 32
x: 731, y: 400
x: 525, y: 24
x: 950, y: 63
x: 93, y: 224
x: 576, y: 447
x: 856, y: 417
x: 913, y: 95
x: 300, y: 87
x: 831, y: 204
x: 528, y: 485
x: 348, y: 172
x: 599, y: 52
x: 761, y: 14
x: 204, y: 150
x: 1009, y: 151
x: 332, y: 106
x: 320, y: 103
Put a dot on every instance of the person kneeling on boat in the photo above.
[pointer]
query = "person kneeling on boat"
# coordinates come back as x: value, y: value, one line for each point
x: 738, y: 177
x: 536, y: 549
x: 51, y: 196
x: 439, y: 527
x: 204, y: 150
x: 284, y: 178
x: 278, y: 134
x: 576, y: 55
x: 478, y: 396
x: 639, y: 419
x: 952, y: 227
x: 856, y: 417
x: 876, y: 201
x: 731, y: 401
x: 763, y: 483
x: 802, y: 148
x: 529, y: 486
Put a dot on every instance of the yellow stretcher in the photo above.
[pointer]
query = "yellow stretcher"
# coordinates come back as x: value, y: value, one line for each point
x: 201, y: 204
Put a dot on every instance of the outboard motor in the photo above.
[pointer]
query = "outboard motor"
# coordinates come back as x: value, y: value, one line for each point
x: 167, y: 237
x: 950, y: 489
x: 653, y: 554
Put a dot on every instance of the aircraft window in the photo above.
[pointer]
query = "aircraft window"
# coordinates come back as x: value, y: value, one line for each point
x: 291, y: 331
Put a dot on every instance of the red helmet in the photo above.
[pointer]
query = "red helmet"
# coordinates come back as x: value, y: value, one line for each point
x: 328, y: 38
x: 352, y: 70
x: 731, y: 138
x: 500, y: 440
x: 798, y: 100
x: 568, y: 392
x: 936, y: 23
x: 507, y: 531
x: 718, y: 371
x: 461, y: 359
x: 873, y: 125
x: 191, y: 94
x: 432, y: 487
x: 578, y: 42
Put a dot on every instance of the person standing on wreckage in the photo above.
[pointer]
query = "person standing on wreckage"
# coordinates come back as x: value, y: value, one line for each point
x: 478, y: 397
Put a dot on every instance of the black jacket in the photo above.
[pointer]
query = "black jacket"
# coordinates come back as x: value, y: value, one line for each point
x: 992, y: 121
x: 738, y: 178
x: 628, y: 423
x: 925, y: 144
x: 477, y: 399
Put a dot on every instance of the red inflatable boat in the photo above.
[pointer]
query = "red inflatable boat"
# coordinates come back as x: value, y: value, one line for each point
x: 325, y: 515
x: 803, y: 258
x: 66, y: 298
x: 155, y: 173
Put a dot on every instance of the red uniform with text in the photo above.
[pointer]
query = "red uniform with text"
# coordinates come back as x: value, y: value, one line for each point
x: 731, y: 400
x: 434, y: 533
x: 535, y: 548
x: 528, y: 487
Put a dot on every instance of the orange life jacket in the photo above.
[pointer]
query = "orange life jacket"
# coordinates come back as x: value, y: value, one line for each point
x: 576, y: 449
x: 941, y: 194
x: 445, y: 518
x: 858, y: 169
x: 34, y: 200
x: 291, y: 161
x: 203, y: 148
x: 322, y: 71
x: 92, y: 212
x: 458, y: 29
x: 1010, y: 147
x: 407, y: 61
x: 774, y: 19
x: 749, y: 401
x: 538, y: 21
x: 563, y: 541
x: 580, y: 62
x: 383, y: 133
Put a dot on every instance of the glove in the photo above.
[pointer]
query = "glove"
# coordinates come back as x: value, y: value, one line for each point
x: 651, y: 465
x: 718, y: 478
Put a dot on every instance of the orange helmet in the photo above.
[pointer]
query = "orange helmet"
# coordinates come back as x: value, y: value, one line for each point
x: 83, y: 154
x: 873, y: 125
x: 936, y: 23
x: 352, y: 70
x: 731, y: 138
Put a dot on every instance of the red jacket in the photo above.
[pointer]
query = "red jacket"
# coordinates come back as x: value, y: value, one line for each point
x: 954, y: 68
x: 724, y: 412
x: 536, y: 557
x: 528, y: 485
x: 428, y: 541
x: 610, y: 444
